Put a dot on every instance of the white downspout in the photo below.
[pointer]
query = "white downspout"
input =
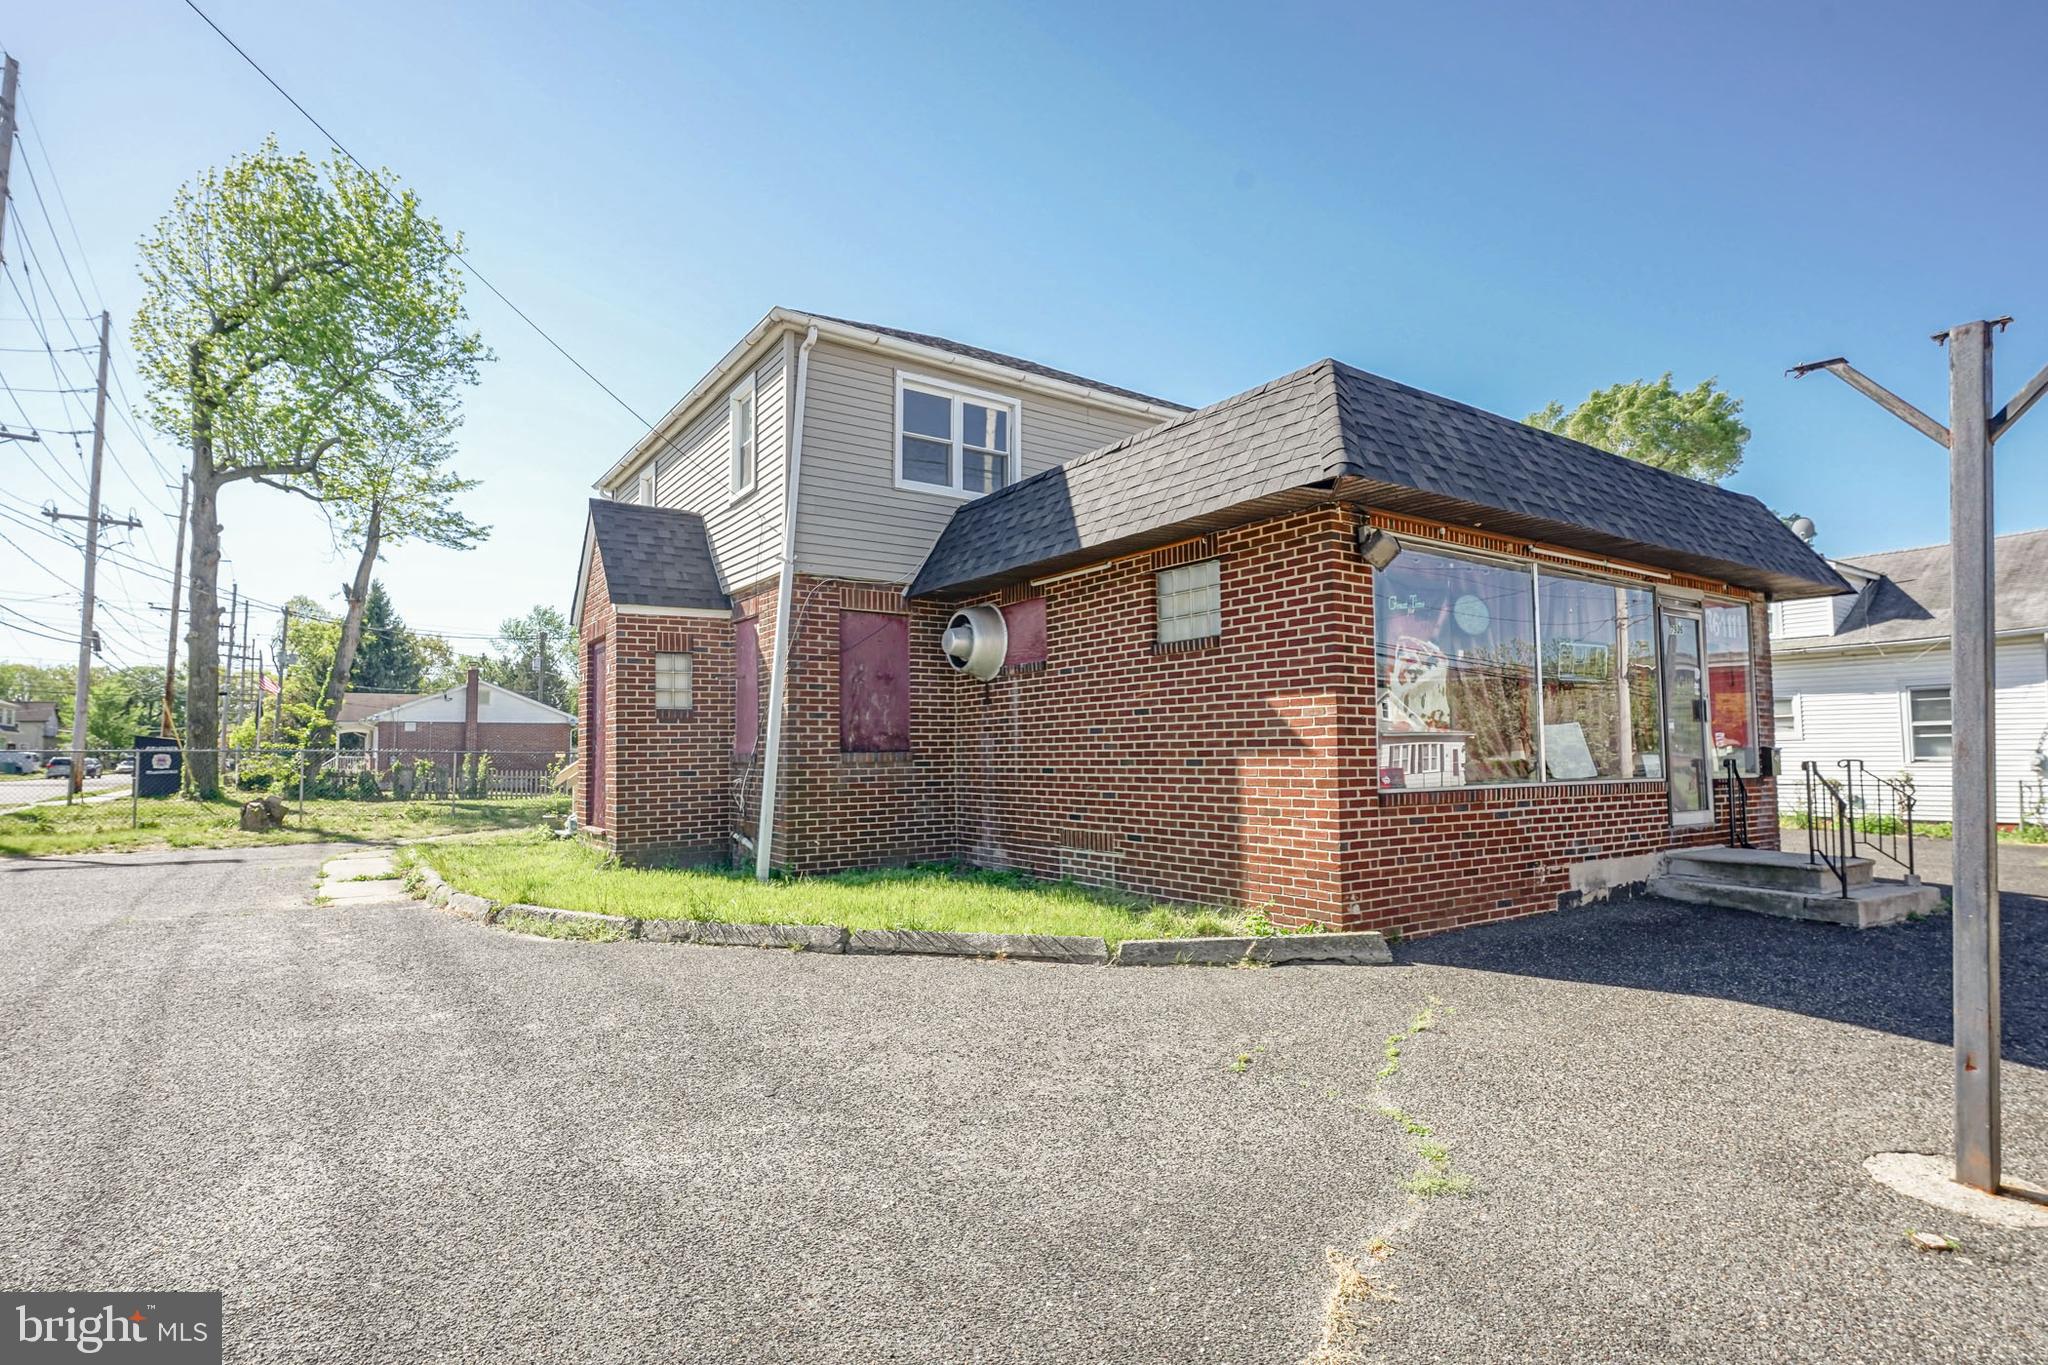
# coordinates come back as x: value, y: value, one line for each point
x: 778, y: 674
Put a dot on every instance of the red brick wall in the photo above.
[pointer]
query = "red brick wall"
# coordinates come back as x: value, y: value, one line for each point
x: 503, y: 737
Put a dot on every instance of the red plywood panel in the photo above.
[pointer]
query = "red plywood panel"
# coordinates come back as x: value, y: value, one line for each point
x: 1025, y: 624
x: 874, y: 682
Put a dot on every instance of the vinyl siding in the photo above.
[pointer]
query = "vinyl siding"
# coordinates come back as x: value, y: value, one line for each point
x: 694, y: 473
x: 854, y: 522
x: 1808, y: 616
x: 1854, y: 706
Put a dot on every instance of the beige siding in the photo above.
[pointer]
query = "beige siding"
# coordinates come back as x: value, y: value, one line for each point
x: 694, y: 473
x: 1854, y: 706
x: 853, y: 521
x: 1807, y: 616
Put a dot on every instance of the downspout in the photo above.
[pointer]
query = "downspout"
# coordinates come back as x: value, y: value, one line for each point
x: 778, y: 675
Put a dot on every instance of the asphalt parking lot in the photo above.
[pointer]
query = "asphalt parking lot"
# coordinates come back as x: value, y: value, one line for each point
x: 391, y: 1134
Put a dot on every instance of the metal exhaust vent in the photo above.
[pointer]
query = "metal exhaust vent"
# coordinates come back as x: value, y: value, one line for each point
x: 975, y: 642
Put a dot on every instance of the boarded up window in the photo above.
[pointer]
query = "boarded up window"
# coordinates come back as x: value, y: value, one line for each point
x: 874, y: 683
x: 746, y: 720
x: 1024, y: 622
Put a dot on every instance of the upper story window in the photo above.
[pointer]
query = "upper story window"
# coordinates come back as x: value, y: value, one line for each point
x: 745, y: 445
x: 954, y: 440
x: 1930, y: 722
x: 644, y: 491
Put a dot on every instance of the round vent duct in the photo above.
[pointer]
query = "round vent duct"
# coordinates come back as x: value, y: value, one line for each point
x: 976, y: 641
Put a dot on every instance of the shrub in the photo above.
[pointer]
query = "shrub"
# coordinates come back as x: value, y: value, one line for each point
x: 367, y: 787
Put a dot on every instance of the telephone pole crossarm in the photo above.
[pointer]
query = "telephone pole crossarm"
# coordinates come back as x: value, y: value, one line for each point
x: 1877, y: 393
x: 2016, y: 407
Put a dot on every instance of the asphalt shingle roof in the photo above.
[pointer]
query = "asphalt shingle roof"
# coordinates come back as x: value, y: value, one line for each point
x: 655, y: 556
x: 1332, y: 430
x: 1909, y: 599
x: 360, y: 706
x: 1009, y: 361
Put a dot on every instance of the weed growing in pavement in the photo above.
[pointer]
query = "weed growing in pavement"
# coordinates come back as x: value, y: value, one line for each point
x: 548, y: 928
x: 1243, y: 1061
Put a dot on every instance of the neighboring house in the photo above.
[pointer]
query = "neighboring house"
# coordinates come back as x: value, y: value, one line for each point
x: 10, y: 732
x: 478, y: 717
x: 36, y: 726
x: 1040, y: 622
x: 1867, y: 676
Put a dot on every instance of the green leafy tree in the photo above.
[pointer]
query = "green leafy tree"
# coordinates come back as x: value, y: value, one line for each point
x: 1697, y: 432
x: 115, y: 713
x: 536, y: 654
x: 297, y: 320
x: 388, y: 659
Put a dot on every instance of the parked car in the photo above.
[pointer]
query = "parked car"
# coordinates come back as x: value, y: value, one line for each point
x: 18, y: 761
x: 60, y: 766
x: 126, y: 765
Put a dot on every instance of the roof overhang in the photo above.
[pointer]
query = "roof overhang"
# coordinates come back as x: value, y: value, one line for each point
x: 766, y: 333
x: 1919, y: 644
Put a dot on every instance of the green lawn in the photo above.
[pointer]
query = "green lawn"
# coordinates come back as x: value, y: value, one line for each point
x: 176, y: 822
x: 569, y: 875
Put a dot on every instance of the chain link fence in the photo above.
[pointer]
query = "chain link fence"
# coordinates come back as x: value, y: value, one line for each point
x: 30, y: 781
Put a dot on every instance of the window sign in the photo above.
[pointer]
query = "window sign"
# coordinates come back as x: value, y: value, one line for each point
x: 1728, y: 686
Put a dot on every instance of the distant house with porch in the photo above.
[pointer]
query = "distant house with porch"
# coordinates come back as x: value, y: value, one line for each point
x: 1866, y: 676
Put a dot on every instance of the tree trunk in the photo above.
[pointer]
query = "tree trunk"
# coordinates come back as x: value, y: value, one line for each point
x: 202, y: 620
x: 352, y: 620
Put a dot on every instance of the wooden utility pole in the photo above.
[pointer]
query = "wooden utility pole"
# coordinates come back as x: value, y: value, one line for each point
x: 167, y: 729
x: 82, y: 687
x: 10, y: 79
x: 225, y: 628
x: 1972, y: 429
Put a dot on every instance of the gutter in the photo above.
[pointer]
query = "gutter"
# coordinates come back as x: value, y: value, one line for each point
x: 778, y: 674
x: 1916, y: 646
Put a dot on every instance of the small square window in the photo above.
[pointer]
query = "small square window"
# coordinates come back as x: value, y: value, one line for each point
x: 672, y: 682
x: 1191, y: 602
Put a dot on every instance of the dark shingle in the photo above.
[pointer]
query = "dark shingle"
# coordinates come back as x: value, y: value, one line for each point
x: 1008, y: 361
x: 655, y: 557
x: 1334, y: 430
x: 1910, y: 599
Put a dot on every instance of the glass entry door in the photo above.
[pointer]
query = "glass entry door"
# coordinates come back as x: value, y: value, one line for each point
x: 1687, y: 735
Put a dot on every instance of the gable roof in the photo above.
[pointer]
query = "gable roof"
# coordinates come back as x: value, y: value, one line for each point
x: 653, y: 557
x: 1008, y: 362
x: 34, y: 712
x: 1334, y: 431
x: 360, y: 706
x: 1907, y: 596
x: 414, y: 701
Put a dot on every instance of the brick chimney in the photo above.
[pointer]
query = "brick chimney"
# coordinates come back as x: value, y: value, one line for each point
x: 469, y: 700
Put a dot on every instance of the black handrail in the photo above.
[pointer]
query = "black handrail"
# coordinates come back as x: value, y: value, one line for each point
x: 1738, y: 805
x: 1827, y: 828
x: 1885, y: 822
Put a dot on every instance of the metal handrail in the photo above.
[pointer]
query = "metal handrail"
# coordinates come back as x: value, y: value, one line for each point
x: 1887, y: 821
x: 1738, y: 805
x: 1827, y: 832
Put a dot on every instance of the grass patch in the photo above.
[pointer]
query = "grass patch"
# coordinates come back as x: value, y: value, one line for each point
x: 566, y: 874
x: 582, y: 932
x: 179, y: 822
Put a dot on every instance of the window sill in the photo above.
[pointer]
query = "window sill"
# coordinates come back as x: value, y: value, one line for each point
x: 862, y: 758
x: 1194, y: 646
x: 1509, y: 793
x: 741, y: 495
x: 935, y: 489
x: 670, y: 713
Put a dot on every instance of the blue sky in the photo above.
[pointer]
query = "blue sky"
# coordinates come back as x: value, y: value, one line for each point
x: 1506, y: 204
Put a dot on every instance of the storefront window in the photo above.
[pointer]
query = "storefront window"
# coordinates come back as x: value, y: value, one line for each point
x: 1456, y: 656
x: 1599, y: 681
x: 1729, y: 689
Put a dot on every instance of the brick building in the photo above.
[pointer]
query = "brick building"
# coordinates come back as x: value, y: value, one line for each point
x: 1335, y: 647
x: 476, y: 718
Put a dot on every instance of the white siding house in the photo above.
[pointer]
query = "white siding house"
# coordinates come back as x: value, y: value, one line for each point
x: 1867, y: 676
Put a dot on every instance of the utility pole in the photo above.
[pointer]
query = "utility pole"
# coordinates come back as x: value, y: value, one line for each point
x: 225, y: 628
x: 177, y: 577
x: 252, y: 688
x: 1972, y: 429
x: 82, y: 687
x: 540, y: 672
x: 8, y: 81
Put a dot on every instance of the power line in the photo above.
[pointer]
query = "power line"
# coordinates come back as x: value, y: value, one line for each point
x: 385, y: 190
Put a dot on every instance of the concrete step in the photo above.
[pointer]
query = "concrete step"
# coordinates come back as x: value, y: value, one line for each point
x: 1866, y: 907
x: 1784, y: 871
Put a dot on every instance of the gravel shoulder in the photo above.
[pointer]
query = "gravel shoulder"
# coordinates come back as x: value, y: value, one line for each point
x: 391, y: 1134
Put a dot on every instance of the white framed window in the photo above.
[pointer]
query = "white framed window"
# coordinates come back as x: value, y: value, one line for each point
x: 672, y: 676
x: 644, y: 495
x: 1929, y: 722
x: 1191, y: 602
x: 744, y: 425
x: 956, y: 440
x: 1784, y: 717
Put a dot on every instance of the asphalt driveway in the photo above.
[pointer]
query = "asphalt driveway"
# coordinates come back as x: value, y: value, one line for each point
x: 390, y: 1134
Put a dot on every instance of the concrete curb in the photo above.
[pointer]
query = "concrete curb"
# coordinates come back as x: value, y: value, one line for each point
x: 1182, y: 952
x: 941, y: 943
x: 814, y: 938
x: 1365, y: 949
x: 573, y: 919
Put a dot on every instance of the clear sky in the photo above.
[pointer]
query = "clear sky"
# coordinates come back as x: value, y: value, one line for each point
x: 1506, y: 204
